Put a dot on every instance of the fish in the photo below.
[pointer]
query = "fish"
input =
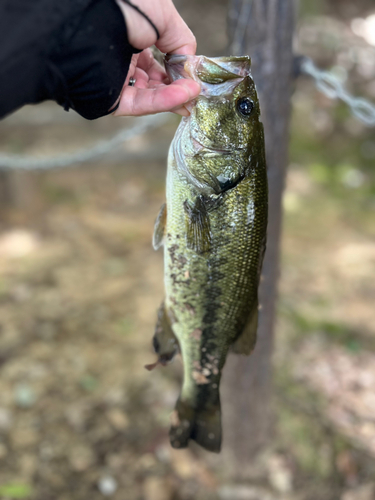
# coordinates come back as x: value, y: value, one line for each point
x: 164, y: 341
x: 213, y: 228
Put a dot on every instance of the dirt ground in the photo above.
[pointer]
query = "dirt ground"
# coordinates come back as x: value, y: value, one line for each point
x: 80, y: 417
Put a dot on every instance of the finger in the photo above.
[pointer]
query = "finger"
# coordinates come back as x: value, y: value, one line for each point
x: 141, y: 78
x: 131, y: 73
x: 152, y: 84
x: 146, y: 59
x: 181, y: 111
x: 176, y: 38
x: 140, y: 33
x: 132, y: 68
x: 148, y: 63
x: 137, y: 101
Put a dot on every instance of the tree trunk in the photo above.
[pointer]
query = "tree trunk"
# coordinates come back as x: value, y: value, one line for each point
x: 264, y: 30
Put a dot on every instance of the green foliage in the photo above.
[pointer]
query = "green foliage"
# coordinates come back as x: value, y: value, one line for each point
x: 311, y: 7
x: 89, y: 383
x: 3, y: 288
x: 306, y: 442
x: 114, y: 266
x: 319, y: 172
x: 59, y: 195
x: 305, y: 433
x: 14, y: 491
x: 338, y: 333
x: 124, y: 326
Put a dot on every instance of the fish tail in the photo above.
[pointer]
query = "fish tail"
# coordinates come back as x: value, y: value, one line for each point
x: 201, y: 423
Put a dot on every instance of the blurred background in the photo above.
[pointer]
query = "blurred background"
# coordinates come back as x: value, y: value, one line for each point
x: 80, y: 417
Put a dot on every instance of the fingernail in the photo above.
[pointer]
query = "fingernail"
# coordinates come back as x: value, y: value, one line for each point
x: 195, y: 91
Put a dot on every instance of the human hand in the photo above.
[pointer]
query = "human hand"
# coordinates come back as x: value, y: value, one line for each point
x: 153, y: 92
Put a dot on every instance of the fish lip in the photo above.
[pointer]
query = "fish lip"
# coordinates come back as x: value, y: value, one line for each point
x: 175, y: 66
x: 175, y: 59
x: 206, y: 149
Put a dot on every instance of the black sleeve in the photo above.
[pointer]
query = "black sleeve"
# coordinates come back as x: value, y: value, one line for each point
x: 75, y: 52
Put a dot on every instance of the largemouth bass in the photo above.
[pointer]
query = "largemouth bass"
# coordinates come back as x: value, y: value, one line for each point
x: 213, y: 227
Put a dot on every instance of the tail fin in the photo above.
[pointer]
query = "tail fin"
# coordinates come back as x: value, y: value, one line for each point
x: 202, y: 424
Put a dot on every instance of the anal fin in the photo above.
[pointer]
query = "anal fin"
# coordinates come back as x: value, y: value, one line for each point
x: 245, y: 342
x: 164, y: 341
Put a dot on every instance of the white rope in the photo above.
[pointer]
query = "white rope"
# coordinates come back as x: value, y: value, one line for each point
x: 25, y: 162
x: 332, y: 87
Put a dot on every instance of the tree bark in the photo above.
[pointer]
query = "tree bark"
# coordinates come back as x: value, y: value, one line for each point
x: 264, y: 30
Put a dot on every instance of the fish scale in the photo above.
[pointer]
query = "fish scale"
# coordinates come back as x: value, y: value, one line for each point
x: 214, y: 231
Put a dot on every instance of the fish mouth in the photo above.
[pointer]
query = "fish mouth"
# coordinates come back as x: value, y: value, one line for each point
x: 204, y: 149
x: 216, y: 76
x: 175, y: 67
x: 206, y: 71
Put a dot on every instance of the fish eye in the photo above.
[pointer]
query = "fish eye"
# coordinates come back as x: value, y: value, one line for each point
x: 245, y: 106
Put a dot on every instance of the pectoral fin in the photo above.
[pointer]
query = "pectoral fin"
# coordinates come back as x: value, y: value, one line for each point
x: 245, y: 342
x: 198, y: 228
x: 159, y: 228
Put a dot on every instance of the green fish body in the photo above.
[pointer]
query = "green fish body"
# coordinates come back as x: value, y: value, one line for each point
x: 213, y: 228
